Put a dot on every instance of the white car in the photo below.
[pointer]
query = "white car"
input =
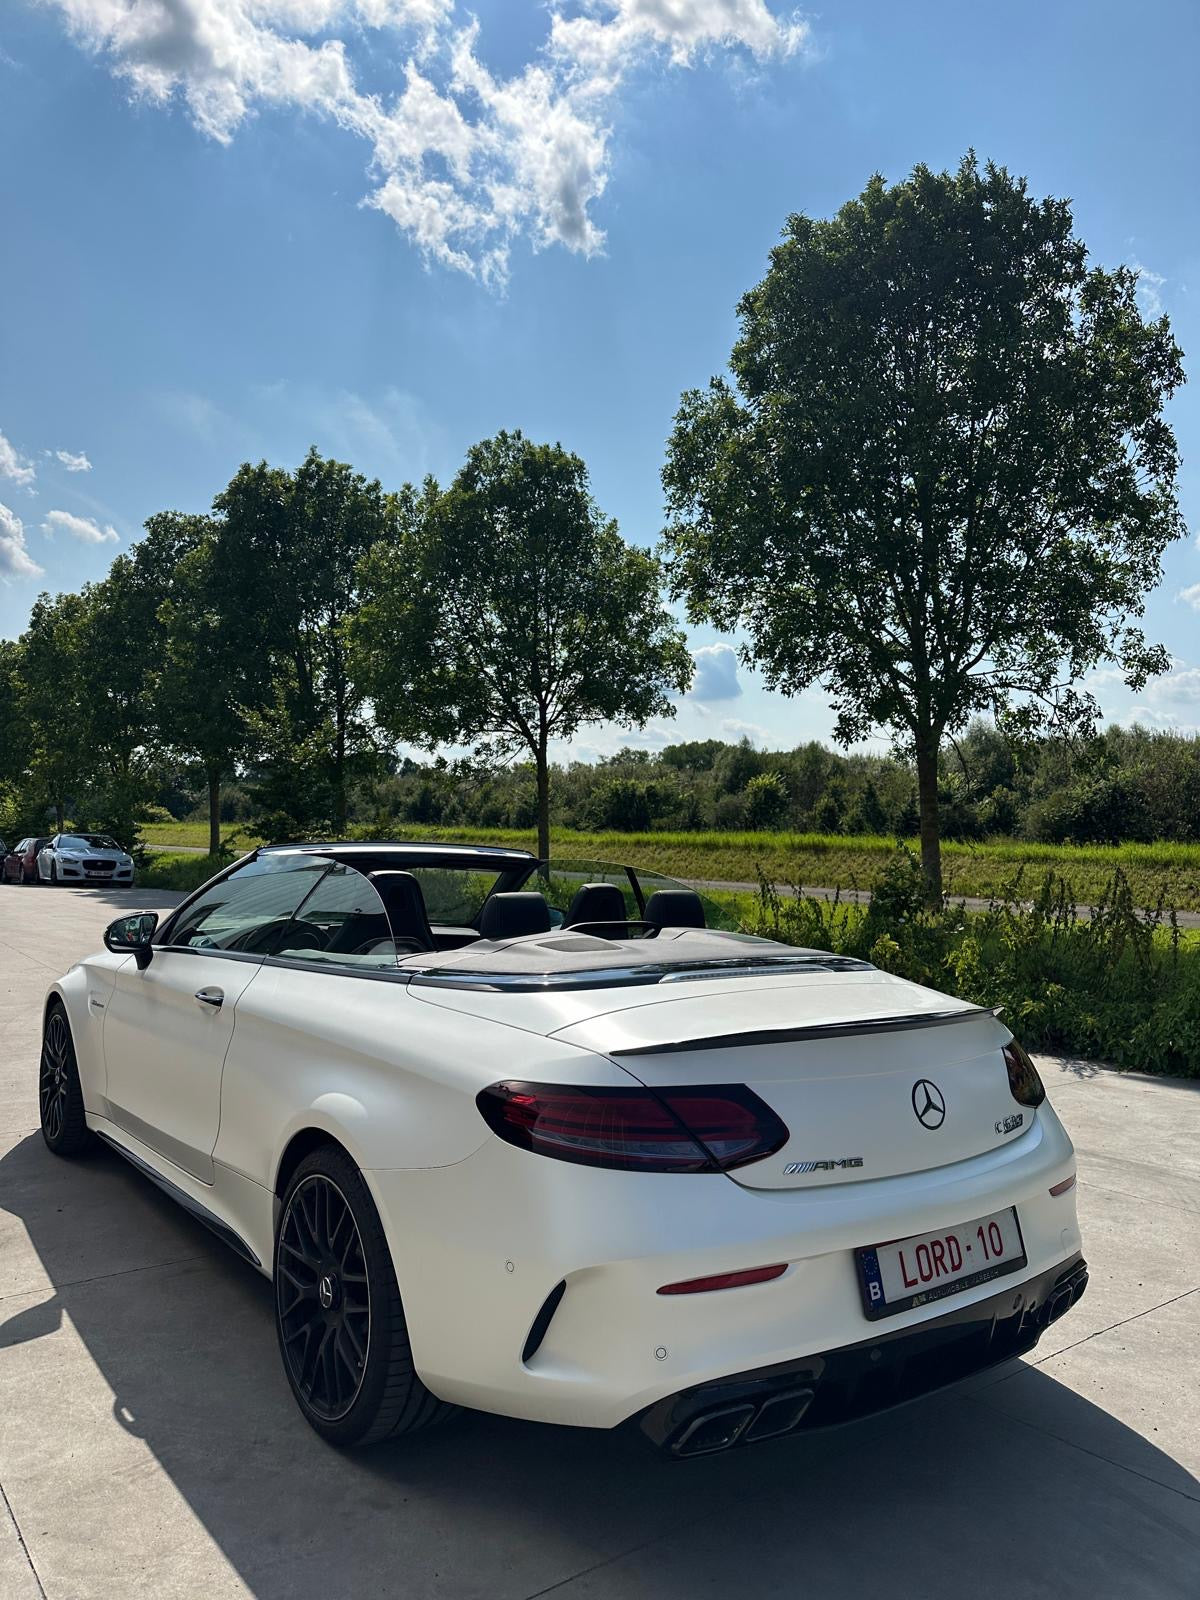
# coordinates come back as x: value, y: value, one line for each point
x: 84, y: 858
x: 535, y: 1140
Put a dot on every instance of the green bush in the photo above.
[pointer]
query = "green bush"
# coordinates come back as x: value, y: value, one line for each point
x: 180, y: 873
x: 1121, y: 985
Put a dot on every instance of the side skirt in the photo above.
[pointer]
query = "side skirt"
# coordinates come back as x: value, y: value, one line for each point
x: 194, y: 1208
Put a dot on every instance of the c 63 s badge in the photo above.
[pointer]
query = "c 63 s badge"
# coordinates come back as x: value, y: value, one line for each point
x: 794, y: 1167
x: 1008, y: 1124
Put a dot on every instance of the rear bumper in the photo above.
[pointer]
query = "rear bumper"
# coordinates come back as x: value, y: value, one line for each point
x: 859, y: 1380
x: 481, y: 1249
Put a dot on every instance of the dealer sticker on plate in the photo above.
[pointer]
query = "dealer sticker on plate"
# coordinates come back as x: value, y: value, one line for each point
x: 904, y: 1273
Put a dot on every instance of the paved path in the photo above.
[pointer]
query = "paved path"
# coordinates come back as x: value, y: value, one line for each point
x: 149, y: 1447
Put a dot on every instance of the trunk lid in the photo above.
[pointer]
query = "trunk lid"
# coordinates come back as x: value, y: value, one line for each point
x: 873, y: 1076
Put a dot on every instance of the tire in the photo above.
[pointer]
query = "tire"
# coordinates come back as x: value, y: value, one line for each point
x: 54, y: 874
x: 335, y: 1283
x: 60, y: 1095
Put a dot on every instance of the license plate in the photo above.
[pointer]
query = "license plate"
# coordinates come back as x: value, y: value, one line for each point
x: 904, y: 1273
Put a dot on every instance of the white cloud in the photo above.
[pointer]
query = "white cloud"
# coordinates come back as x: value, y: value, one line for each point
x: 1149, y: 286
x: 15, y: 466
x: 81, y: 528
x: 1181, y: 685
x: 463, y: 162
x: 1163, y: 721
x: 1190, y: 596
x: 743, y: 730
x: 73, y: 463
x: 716, y: 673
x: 15, y: 560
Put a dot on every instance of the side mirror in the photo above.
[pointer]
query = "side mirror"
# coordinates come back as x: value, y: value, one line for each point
x: 131, y: 936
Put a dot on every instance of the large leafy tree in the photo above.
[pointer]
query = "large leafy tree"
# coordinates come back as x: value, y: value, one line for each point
x: 288, y: 549
x: 211, y: 671
x: 940, y: 481
x: 512, y: 613
x: 53, y: 706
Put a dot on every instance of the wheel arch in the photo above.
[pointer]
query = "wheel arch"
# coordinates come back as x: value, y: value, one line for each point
x: 302, y: 1143
x: 70, y: 996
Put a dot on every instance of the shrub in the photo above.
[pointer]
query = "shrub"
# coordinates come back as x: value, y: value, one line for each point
x: 766, y: 800
x: 180, y: 873
x: 1121, y: 984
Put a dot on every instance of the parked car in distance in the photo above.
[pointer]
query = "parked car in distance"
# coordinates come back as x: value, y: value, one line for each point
x: 20, y: 864
x: 84, y: 858
x: 552, y: 1140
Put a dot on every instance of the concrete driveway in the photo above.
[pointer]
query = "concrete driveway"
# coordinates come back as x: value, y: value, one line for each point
x: 149, y: 1445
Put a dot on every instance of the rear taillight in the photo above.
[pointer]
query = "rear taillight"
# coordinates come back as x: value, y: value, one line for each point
x: 1027, y: 1088
x: 635, y: 1130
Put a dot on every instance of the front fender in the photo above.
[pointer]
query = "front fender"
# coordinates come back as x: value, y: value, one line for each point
x: 84, y: 991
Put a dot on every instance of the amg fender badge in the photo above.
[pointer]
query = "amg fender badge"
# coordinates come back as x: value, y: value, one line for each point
x: 794, y: 1167
x: 1007, y: 1124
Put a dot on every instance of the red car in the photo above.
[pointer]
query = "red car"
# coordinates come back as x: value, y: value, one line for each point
x: 19, y: 863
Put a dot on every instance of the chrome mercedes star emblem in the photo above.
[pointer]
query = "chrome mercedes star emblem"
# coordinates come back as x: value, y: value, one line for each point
x: 325, y: 1292
x: 929, y: 1103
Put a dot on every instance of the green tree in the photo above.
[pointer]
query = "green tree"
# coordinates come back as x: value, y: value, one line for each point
x: 14, y: 732
x: 940, y: 482
x: 513, y: 613
x: 209, y: 670
x: 289, y: 547
x: 53, y: 704
x: 767, y: 801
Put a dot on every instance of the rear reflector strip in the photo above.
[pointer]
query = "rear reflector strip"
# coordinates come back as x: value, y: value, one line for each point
x: 1067, y: 1183
x: 725, y: 1280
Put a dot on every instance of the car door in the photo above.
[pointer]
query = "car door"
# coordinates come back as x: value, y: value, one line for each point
x: 168, y: 1025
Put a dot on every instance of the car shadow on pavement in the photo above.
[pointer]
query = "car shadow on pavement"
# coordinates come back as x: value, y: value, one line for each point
x: 952, y: 1496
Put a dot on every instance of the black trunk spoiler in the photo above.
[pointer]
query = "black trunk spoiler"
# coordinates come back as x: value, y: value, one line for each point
x: 816, y: 1030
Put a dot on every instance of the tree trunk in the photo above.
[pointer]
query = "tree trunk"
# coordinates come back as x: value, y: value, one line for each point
x: 59, y: 820
x: 214, y: 811
x: 927, y: 800
x: 339, y: 772
x: 543, y: 801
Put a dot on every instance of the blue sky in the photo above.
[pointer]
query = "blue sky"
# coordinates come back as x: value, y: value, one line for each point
x: 561, y: 210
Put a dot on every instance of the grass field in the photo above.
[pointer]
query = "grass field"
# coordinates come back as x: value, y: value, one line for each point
x: 1166, y: 872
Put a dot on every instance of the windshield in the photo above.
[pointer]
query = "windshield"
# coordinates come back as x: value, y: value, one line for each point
x: 86, y: 841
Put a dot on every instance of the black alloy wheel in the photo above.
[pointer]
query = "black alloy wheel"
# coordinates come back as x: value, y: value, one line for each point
x: 323, y: 1299
x: 338, y: 1313
x: 60, y: 1096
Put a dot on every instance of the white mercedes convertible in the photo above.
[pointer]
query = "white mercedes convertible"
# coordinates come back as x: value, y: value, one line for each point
x: 549, y: 1140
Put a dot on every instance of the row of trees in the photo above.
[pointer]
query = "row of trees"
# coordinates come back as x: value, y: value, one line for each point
x: 938, y: 482
x: 1130, y: 784
x: 313, y: 620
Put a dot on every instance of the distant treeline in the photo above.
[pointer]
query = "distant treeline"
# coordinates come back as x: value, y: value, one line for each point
x: 1130, y: 785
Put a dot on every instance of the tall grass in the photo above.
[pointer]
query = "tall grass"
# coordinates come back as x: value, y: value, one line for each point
x: 1169, y: 873
x: 1121, y: 984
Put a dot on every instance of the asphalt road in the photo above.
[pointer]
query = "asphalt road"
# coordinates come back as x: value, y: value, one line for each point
x: 149, y: 1446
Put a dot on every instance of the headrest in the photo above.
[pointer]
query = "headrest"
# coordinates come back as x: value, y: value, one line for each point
x: 404, y: 904
x: 596, y: 902
x: 508, y: 916
x: 675, y: 908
